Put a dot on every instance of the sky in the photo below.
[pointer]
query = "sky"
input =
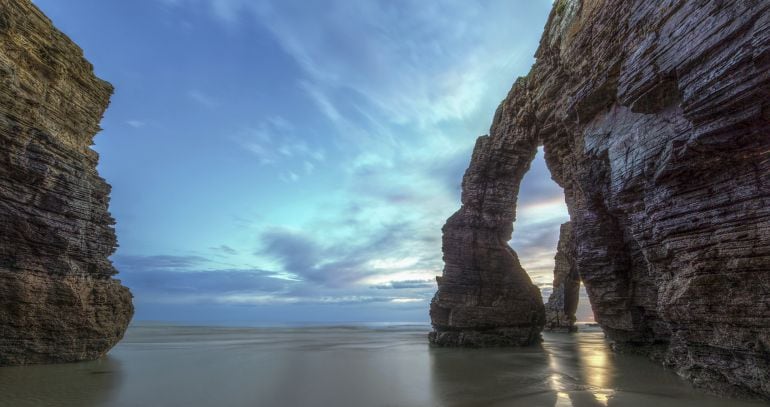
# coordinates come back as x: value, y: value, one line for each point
x: 294, y: 160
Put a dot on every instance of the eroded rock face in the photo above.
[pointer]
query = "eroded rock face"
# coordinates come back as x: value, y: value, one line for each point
x: 485, y: 298
x: 58, y: 300
x: 563, y: 301
x: 655, y: 119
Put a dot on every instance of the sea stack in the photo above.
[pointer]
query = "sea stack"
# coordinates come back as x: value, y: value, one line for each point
x: 59, y: 301
x: 655, y: 120
x: 563, y: 301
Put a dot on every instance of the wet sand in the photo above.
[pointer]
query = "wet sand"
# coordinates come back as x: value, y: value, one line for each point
x: 367, y: 365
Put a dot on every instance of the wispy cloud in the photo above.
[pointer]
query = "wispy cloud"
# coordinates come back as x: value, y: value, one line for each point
x: 169, y: 279
x: 390, y: 97
x: 422, y: 91
x: 202, y: 99
x: 416, y: 64
x: 158, y: 262
x: 275, y: 142
x: 339, y: 263
x: 406, y: 284
x: 225, y: 249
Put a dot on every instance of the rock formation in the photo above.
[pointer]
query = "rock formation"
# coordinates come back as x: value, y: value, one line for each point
x: 58, y: 300
x: 563, y: 301
x: 485, y: 297
x: 655, y: 119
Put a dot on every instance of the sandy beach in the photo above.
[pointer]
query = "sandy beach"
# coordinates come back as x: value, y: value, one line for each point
x: 362, y: 365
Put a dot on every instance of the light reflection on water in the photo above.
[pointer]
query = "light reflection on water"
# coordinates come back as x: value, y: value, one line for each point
x: 159, y: 365
x: 581, y: 370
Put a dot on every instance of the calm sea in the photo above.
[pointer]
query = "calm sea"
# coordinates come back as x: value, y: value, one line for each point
x: 339, y: 366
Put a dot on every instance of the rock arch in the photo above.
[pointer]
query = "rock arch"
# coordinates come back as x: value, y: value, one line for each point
x: 485, y: 297
x: 655, y: 120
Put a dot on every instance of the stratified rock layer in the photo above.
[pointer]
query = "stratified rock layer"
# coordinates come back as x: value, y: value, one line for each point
x: 485, y: 297
x: 563, y: 301
x: 655, y: 119
x: 58, y: 301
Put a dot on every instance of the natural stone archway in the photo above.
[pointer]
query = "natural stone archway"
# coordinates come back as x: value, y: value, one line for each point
x: 655, y: 120
x: 485, y: 298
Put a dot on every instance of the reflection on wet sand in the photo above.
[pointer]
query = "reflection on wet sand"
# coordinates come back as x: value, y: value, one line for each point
x: 473, y: 377
x: 361, y: 366
x: 77, y: 384
x: 581, y: 371
x: 567, y: 370
x: 561, y: 372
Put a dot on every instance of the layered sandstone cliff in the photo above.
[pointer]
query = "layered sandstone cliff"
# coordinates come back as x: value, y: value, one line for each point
x: 655, y: 119
x: 58, y: 300
x: 563, y: 301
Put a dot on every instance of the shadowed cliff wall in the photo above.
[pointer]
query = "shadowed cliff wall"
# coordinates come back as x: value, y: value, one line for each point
x: 655, y: 119
x: 58, y: 300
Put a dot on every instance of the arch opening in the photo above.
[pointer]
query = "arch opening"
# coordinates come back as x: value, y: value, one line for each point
x: 542, y: 238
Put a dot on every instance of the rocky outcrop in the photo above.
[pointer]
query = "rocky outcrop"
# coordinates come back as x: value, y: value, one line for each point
x: 655, y: 119
x: 563, y: 301
x: 58, y: 300
x: 485, y: 297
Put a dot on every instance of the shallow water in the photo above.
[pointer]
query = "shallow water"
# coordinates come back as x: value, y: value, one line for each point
x: 387, y: 365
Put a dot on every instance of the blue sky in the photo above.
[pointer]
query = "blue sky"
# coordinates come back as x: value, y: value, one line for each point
x: 285, y: 161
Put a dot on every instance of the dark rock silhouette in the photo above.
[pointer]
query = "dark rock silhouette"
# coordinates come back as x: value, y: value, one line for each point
x: 655, y: 119
x: 485, y: 298
x: 58, y: 300
x: 563, y: 301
